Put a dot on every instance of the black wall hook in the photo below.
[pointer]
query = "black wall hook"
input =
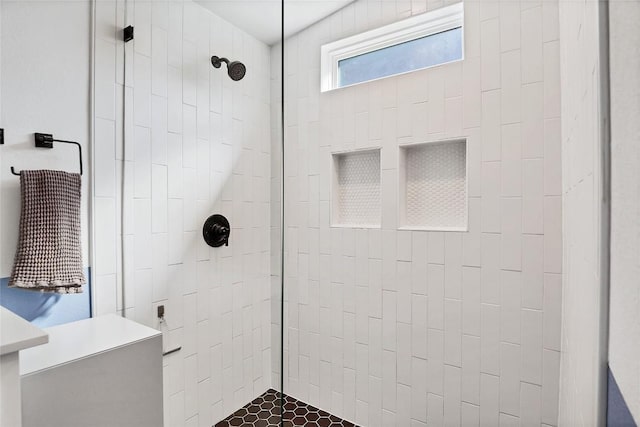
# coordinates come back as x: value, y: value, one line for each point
x: 216, y: 231
x: 127, y: 34
x: 46, y: 140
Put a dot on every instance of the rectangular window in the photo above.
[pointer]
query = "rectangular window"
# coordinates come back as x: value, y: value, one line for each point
x: 419, y: 42
x: 401, y: 58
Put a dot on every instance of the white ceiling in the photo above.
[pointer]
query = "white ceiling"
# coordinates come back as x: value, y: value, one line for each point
x: 261, y: 18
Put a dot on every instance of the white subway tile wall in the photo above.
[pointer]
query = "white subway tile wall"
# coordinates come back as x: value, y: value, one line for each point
x: 414, y: 327
x: 195, y: 143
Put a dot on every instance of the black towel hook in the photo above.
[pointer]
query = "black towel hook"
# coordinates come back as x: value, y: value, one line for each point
x: 45, y: 140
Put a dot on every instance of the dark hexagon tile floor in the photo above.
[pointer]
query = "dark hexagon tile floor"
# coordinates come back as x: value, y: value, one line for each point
x: 264, y: 411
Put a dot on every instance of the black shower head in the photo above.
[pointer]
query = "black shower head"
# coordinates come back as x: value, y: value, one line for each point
x: 235, y: 69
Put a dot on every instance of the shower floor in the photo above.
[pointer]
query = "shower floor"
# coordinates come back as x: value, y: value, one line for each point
x: 264, y: 411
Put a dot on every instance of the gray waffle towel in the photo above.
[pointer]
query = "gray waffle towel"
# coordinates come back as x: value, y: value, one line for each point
x: 49, y: 256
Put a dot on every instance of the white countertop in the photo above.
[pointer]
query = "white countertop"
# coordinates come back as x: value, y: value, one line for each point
x: 18, y: 334
x: 77, y: 340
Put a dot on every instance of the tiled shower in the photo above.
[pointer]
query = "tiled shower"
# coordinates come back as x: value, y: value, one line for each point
x: 406, y: 251
x: 188, y: 142
x: 402, y: 323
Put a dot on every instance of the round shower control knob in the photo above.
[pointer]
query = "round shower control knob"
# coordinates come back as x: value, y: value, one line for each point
x: 216, y: 231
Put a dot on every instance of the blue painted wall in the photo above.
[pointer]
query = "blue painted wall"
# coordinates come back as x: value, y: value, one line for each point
x: 618, y: 414
x: 44, y: 309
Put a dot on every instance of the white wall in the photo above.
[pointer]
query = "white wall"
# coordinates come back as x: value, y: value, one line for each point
x: 195, y: 143
x: 45, y: 86
x: 624, y: 312
x: 387, y: 327
x: 582, y: 371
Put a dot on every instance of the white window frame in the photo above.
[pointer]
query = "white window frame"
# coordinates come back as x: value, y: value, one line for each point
x: 415, y: 27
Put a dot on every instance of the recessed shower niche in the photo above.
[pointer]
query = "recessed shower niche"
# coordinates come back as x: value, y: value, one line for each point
x: 433, y: 186
x: 355, y: 191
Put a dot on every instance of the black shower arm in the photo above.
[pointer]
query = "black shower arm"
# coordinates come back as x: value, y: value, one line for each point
x: 216, y: 61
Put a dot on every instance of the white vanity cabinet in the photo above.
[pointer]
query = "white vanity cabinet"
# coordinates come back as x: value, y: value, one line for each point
x: 100, y: 372
x: 16, y: 335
